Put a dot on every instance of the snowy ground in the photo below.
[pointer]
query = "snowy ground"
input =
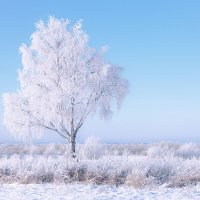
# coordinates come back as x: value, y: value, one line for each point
x: 92, y: 192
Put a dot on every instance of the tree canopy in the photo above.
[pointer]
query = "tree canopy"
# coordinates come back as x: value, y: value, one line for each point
x: 62, y: 81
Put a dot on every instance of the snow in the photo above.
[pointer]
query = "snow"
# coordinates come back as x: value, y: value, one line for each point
x: 92, y: 192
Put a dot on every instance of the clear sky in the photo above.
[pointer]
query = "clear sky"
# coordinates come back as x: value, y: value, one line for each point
x: 157, y: 43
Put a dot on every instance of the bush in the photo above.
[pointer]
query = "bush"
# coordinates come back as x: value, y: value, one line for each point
x: 171, y: 165
x: 189, y: 150
x: 92, y: 148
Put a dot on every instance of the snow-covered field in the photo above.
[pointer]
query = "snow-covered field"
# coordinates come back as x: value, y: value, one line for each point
x: 92, y: 192
x: 155, y: 171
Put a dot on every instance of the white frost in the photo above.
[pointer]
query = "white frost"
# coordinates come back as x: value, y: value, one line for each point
x: 63, y: 81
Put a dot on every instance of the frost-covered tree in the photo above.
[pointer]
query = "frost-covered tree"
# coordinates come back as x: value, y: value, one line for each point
x: 62, y: 81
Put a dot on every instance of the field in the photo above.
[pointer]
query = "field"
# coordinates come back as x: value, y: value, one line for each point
x: 102, y: 171
x: 93, y: 192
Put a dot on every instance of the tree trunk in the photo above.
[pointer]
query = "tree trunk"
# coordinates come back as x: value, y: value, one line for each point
x: 73, y: 146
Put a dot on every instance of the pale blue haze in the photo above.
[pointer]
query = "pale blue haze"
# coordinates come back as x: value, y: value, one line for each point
x: 157, y: 43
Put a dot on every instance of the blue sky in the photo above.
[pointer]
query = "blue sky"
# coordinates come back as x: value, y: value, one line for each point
x: 157, y: 43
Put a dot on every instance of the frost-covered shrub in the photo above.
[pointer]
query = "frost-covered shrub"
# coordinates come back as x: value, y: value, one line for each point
x: 92, y: 148
x: 36, y: 149
x: 137, y: 172
x: 161, y: 149
x: 50, y: 149
x: 160, y: 169
x: 188, y: 150
x: 170, y: 170
x: 138, y: 179
x: 187, y: 172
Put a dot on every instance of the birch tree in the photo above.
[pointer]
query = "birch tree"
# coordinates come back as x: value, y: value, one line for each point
x: 62, y: 82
